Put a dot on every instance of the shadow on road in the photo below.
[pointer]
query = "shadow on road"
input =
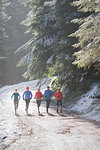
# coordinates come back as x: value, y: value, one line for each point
x: 17, y: 115
x: 51, y: 115
x: 63, y: 115
x: 30, y: 115
x: 41, y: 115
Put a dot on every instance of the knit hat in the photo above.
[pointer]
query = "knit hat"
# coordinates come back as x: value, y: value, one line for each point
x: 27, y: 88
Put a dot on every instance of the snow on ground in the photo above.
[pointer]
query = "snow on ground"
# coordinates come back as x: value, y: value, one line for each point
x: 44, y: 132
x: 88, y: 105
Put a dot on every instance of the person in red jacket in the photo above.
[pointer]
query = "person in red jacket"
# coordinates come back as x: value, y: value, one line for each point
x: 38, y: 96
x: 58, y: 95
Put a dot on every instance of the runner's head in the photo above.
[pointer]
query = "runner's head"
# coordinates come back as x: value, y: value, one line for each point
x: 16, y: 90
x: 48, y: 87
x: 27, y: 88
x: 59, y: 89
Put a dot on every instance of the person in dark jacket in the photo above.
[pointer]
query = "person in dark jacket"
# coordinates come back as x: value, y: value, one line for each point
x: 48, y: 94
x: 16, y: 97
x: 58, y: 95
x: 27, y: 96
x: 38, y: 96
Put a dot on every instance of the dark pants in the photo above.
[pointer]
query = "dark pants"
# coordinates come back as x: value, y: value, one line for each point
x: 16, y: 104
x: 48, y: 101
x: 38, y: 102
x: 27, y: 103
x: 59, y: 102
x: 38, y: 105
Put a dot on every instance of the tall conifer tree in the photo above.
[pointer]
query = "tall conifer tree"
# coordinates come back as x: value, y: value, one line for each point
x: 88, y: 35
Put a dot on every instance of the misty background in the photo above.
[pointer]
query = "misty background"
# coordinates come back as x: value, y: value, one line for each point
x: 14, y: 38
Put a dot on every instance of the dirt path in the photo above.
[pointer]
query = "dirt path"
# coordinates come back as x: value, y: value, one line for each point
x: 54, y: 131
x: 44, y: 132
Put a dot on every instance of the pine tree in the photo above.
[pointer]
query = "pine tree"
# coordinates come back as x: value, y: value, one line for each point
x: 88, y: 35
x: 3, y: 19
x: 40, y: 22
x: 49, y: 52
x: 50, y: 46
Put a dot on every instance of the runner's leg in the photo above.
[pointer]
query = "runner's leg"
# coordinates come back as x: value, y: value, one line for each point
x: 38, y: 105
x: 60, y: 106
x: 27, y: 104
x: 26, y: 101
x: 15, y: 106
x: 57, y: 105
x: 48, y: 104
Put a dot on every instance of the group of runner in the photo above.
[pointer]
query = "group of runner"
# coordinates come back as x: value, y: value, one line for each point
x: 27, y: 96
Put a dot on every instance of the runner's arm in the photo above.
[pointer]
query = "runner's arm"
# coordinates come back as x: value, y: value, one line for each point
x: 12, y: 95
x: 51, y: 93
x: 41, y: 95
x: 45, y: 94
x: 61, y: 95
x: 19, y: 96
x: 23, y: 95
x: 55, y: 94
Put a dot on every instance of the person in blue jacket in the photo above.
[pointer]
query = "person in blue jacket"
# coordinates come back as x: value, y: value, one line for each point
x: 27, y: 96
x: 48, y: 94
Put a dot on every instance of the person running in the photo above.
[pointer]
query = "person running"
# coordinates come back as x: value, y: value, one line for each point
x: 48, y: 94
x: 16, y: 97
x: 27, y: 96
x: 38, y: 96
x: 58, y: 95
